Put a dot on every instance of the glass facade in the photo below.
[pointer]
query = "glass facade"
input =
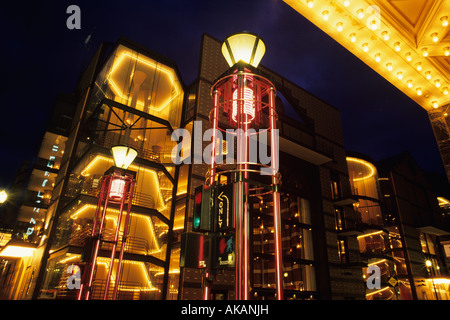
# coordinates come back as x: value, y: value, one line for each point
x: 136, y: 100
x: 374, y: 241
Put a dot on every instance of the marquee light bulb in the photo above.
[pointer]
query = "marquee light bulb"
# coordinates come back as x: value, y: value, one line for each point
x: 425, y: 52
x: 389, y: 66
x: 409, y: 82
x: 310, y: 3
x: 377, y: 57
x: 325, y: 15
x: 353, y: 37
x: 397, y: 46
x: 445, y: 91
x: 447, y: 51
x: 428, y: 75
x: 365, y: 47
x: 434, y: 37
x: 385, y: 35
x: 437, y: 83
x: 419, y: 66
x: 408, y: 56
x: 400, y: 75
x: 435, y: 106
x: 444, y: 21
x: 346, y: 3
x: 360, y: 13
x: 339, y: 26
x: 419, y: 91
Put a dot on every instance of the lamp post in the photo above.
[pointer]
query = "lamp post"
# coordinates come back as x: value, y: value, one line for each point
x: 247, y: 100
x: 116, y: 190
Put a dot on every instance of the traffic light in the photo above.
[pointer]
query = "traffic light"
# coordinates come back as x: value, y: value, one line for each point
x: 202, y: 209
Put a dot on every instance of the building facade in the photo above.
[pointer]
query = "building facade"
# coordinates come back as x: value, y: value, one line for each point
x: 332, y: 218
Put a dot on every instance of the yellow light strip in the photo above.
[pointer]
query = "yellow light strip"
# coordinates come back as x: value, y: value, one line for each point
x: 439, y: 280
x: 370, y: 166
x: 115, y: 211
x: 150, y: 64
x: 106, y: 261
x: 370, y: 234
x: 376, y: 262
x: 378, y: 291
x: 443, y: 201
x: 17, y: 251
x: 133, y: 168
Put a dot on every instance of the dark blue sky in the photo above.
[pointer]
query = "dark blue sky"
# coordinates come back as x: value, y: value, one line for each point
x: 41, y: 58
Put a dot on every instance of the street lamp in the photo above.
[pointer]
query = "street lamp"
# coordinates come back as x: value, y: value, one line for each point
x: 116, y: 190
x: 3, y: 196
x: 248, y: 100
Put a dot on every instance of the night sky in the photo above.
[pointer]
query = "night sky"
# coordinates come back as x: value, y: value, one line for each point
x: 41, y: 57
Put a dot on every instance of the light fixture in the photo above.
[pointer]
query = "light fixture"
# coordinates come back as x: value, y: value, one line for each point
x: 17, y: 251
x: 346, y: 3
x: 377, y: 57
x: 435, y: 106
x: 389, y: 66
x: 385, y: 35
x: 360, y: 13
x: 428, y: 75
x: 400, y: 75
x: 437, y: 83
x: 3, y: 196
x: 408, y: 56
x: 339, y: 26
x: 419, y: 66
x: 310, y: 3
x: 325, y: 15
x: 425, y: 52
x: 244, y: 46
x: 444, y: 21
x: 365, y: 47
x: 445, y: 91
x: 248, y: 111
x: 434, y: 37
x: 397, y: 46
x: 409, y: 83
x: 419, y: 91
x: 353, y: 37
x: 123, y: 156
x: 447, y: 51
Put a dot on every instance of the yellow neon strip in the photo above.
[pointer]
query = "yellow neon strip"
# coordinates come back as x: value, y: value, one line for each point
x: 368, y: 165
x: 378, y: 291
x: 106, y: 261
x: 376, y: 262
x: 370, y: 234
x: 133, y: 168
x: 115, y: 211
x: 150, y: 64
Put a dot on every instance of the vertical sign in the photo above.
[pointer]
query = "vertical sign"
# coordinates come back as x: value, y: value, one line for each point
x: 223, y: 207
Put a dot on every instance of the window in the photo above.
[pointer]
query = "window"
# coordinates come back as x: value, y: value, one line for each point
x: 339, y: 219
x: 343, y: 250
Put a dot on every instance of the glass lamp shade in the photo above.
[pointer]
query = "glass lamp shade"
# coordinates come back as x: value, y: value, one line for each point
x: 123, y: 156
x: 245, y: 47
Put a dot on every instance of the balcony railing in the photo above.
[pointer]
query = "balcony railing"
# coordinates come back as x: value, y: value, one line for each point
x: 137, y: 245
